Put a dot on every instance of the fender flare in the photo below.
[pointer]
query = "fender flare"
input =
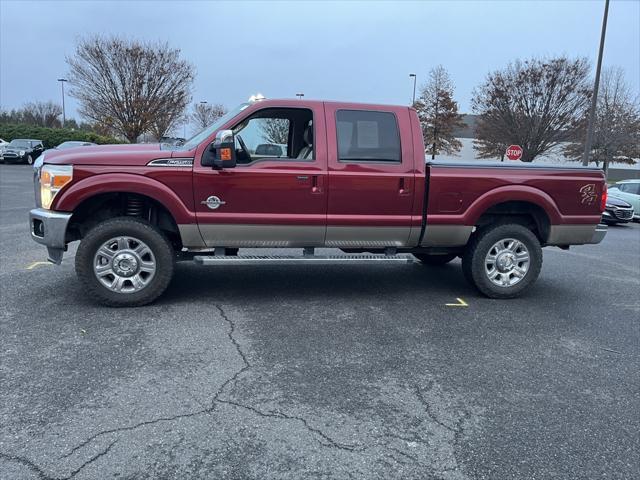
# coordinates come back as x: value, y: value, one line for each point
x: 69, y: 199
x: 511, y: 193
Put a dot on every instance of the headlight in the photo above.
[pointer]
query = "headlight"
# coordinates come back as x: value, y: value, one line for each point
x: 52, y: 179
x: 21, y: 152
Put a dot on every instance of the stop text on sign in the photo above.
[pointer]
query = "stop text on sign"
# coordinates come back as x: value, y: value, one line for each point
x: 514, y: 152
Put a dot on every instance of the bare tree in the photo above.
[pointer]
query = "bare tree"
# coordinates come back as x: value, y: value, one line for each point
x: 438, y: 114
x: 616, y: 135
x: 126, y: 85
x: 42, y: 114
x: 537, y: 104
x: 12, y: 116
x: 164, y: 123
x: 204, y: 114
x: 275, y: 130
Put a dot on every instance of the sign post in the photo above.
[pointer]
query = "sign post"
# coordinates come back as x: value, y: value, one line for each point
x: 514, y: 152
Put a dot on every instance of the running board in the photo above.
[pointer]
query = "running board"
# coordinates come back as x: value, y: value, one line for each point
x: 296, y: 260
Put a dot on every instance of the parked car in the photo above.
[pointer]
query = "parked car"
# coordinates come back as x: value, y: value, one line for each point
x: 616, y: 211
x: 22, y: 150
x: 354, y: 178
x: 3, y: 144
x: 172, y: 140
x: 74, y: 144
x: 629, y: 191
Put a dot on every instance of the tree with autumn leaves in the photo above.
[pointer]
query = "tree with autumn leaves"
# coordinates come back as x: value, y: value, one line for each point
x: 438, y: 114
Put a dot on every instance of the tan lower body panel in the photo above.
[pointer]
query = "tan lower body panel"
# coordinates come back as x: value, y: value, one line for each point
x: 226, y: 235
x: 361, y: 237
x: 446, y: 235
x: 190, y: 236
x: 570, y: 234
x: 217, y: 235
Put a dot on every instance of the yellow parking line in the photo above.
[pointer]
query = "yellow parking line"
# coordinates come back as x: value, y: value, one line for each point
x: 37, y: 264
x: 461, y: 303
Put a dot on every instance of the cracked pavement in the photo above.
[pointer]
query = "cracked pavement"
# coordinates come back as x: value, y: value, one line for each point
x: 319, y: 372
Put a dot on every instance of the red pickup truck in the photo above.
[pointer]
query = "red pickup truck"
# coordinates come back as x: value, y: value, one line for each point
x: 304, y: 174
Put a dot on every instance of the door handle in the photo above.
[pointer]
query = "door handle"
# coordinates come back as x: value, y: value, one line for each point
x: 314, y: 185
x: 402, y: 187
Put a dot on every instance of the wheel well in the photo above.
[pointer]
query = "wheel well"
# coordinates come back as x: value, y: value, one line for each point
x: 527, y: 214
x: 119, y: 204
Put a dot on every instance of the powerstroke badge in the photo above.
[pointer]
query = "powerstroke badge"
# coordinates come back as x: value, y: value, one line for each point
x: 588, y: 193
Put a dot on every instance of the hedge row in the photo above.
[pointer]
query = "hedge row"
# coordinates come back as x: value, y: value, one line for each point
x: 51, y: 137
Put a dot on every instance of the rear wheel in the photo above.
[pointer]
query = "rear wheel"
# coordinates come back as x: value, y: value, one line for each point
x: 503, y: 260
x: 125, y: 262
x: 435, y: 260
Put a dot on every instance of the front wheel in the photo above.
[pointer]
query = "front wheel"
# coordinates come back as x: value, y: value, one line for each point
x: 29, y: 160
x: 503, y: 260
x: 125, y: 262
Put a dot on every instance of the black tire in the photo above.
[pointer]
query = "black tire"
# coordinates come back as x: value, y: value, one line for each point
x: 29, y: 160
x: 473, y: 260
x: 435, y: 260
x: 138, y: 229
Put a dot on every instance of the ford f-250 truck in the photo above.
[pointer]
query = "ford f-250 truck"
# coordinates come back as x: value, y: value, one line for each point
x: 344, y: 175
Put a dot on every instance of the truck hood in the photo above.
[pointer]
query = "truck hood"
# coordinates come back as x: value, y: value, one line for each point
x: 126, y: 154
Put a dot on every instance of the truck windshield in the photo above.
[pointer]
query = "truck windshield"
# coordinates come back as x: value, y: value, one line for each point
x: 194, y: 141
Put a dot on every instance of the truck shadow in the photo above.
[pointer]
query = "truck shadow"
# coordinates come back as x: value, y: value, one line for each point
x: 312, y: 282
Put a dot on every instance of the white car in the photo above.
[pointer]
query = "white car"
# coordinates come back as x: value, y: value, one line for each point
x: 3, y: 144
x: 629, y: 191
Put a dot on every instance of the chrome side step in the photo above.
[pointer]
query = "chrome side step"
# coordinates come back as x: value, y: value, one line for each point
x: 297, y: 260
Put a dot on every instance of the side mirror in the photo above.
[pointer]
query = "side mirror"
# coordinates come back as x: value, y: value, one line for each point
x: 224, y: 150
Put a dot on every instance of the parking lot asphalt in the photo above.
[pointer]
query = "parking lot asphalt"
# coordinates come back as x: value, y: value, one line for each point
x: 329, y: 372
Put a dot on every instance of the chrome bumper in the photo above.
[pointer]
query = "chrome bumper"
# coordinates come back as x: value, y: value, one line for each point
x: 50, y: 228
x: 565, y: 235
x: 600, y: 232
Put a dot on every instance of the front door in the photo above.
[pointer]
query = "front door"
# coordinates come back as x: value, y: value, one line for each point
x: 276, y: 195
x: 371, y: 177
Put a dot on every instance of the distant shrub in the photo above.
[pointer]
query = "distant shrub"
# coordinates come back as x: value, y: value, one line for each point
x: 51, y: 137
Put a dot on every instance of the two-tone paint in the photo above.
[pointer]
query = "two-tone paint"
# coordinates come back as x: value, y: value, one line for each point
x: 326, y: 202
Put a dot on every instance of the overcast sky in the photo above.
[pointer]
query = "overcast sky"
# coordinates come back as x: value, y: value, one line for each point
x: 359, y: 51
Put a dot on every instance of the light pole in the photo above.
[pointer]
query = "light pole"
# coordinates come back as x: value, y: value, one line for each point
x: 596, y: 84
x: 62, y: 80
x: 299, y: 95
x: 413, y: 99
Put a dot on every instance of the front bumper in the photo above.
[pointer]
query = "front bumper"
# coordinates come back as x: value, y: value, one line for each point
x: 12, y: 157
x: 50, y: 229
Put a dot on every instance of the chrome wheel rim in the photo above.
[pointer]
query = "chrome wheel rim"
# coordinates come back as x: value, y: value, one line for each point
x: 124, y: 264
x: 507, y: 262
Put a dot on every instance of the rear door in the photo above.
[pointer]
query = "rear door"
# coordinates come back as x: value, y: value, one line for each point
x: 371, y: 176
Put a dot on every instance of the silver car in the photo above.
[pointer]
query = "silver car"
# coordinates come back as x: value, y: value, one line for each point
x: 629, y: 191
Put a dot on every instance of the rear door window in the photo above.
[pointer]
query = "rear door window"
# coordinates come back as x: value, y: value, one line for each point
x: 366, y: 136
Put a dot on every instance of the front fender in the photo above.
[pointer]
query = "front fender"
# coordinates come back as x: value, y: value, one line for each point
x: 70, y: 198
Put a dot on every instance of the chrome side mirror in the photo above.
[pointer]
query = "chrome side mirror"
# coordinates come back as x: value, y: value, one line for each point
x: 222, y: 151
x: 224, y: 155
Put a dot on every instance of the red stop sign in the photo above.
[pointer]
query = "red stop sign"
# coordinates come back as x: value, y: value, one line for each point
x: 514, y: 152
